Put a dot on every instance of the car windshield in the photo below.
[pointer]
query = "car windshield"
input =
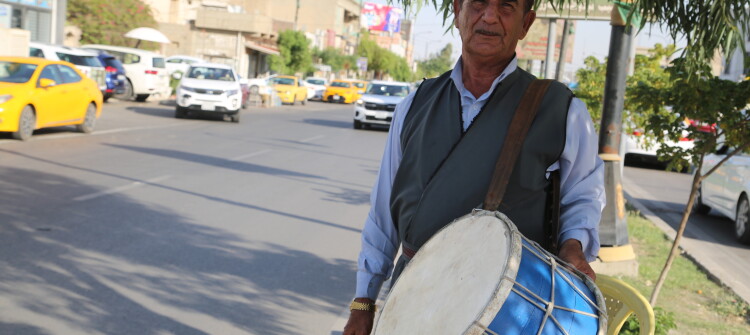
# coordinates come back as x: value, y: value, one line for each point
x: 13, y: 72
x: 388, y: 90
x: 75, y: 59
x: 283, y: 81
x: 210, y: 73
x: 359, y: 85
x: 158, y: 62
x: 340, y: 84
x: 316, y: 82
x: 92, y: 61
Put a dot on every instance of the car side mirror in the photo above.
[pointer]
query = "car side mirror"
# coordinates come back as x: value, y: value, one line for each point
x: 44, y: 83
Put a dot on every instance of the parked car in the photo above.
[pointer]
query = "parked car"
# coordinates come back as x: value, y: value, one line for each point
x: 145, y: 71
x: 635, y: 146
x: 318, y: 85
x: 360, y: 87
x: 180, y: 63
x: 289, y: 89
x: 726, y: 191
x: 209, y: 88
x: 260, y: 85
x: 115, y: 75
x: 310, y: 90
x: 87, y: 62
x: 39, y: 93
x: 378, y: 103
x: 340, y: 91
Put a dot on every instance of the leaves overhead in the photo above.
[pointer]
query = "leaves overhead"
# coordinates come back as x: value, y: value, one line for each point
x: 295, y: 55
x: 707, y: 25
x: 106, y: 21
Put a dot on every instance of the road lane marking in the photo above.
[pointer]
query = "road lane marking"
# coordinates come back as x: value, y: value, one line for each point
x: 120, y: 188
x: 307, y: 140
x: 239, y: 158
x: 95, y: 133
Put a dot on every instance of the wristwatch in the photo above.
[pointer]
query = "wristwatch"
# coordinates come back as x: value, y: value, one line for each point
x: 362, y: 306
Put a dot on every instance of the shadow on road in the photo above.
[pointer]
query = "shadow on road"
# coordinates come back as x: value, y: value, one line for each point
x: 118, y: 266
x: 328, y: 123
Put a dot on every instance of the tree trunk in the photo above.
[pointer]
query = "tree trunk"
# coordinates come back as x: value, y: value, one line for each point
x: 678, y: 237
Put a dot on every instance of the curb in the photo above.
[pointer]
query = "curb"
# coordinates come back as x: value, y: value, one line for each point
x: 714, y: 273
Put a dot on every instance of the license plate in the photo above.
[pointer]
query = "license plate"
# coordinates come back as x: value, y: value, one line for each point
x: 208, y: 107
x: 381, y: 115
x: 120, y: 77
x: 336, y: 97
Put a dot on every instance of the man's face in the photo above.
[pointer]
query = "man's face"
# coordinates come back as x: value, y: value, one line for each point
x: 492, y: 28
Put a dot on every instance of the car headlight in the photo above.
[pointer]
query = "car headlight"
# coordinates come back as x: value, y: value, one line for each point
x: 232, y: 92
x: 360, y: 102
x: 189, y: 89
x: 288, y: 92
x: 5, y: 97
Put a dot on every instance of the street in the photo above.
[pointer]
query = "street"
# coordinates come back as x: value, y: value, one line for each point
x: 709, y: 239
x: 154, y: 225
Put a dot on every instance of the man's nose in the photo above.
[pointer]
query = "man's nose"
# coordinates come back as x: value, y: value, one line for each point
x: 491, y: 13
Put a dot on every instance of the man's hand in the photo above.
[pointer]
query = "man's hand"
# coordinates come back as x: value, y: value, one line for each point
x: 571, y: 251
x: 360, y: 322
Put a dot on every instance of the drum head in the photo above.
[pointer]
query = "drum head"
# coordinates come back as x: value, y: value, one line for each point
x: 455, y: 278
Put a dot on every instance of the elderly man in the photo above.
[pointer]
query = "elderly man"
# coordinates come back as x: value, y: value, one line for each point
x: 445, y: 140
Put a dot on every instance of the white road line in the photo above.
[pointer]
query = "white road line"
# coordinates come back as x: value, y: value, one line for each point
x: 239, y: 158
x: 311, y: 139
x: 120, y: 189
x: 96, y: 132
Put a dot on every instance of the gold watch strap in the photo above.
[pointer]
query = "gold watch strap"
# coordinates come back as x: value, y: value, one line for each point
x: 362, y: 306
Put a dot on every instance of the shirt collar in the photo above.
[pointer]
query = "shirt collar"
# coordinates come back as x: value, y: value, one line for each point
x: 457, y: 77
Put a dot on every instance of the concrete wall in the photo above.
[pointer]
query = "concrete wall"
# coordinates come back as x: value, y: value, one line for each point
x: 14, y: 42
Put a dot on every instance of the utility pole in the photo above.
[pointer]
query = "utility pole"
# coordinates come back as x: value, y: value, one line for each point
x: 296, y: 16
x: 613, y: 229
x: 551, y: 41
x: 563, y: 51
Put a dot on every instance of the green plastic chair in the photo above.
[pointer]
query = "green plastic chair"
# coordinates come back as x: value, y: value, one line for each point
x: 623, y: 300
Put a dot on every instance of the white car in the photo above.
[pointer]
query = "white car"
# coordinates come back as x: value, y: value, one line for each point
x: 145, y: 71
x: 318, y: 85
x: 209, y: 88
x: 86, y: 61
x: 180, y: 63
x: 260, y: 85
x: 726, y: 191
x: 377, y: 104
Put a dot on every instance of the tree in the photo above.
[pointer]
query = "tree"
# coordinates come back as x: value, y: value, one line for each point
x: 335, y: 58
x: 437, y: 64
x: 106, y: 21
x: 719, y: 105
x: 295, y: 55
x: 382, y: 61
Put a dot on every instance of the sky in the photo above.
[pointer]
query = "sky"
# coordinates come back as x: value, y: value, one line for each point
x: 591, y: 37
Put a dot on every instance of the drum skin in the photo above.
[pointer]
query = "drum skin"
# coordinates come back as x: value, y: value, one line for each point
x: 479, y: 275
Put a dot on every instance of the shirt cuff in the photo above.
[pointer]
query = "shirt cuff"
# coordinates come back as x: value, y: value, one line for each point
x: 368, y: 285
x: 582, y: 235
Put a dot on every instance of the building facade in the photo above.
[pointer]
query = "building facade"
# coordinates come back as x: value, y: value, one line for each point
x: 44, y: 19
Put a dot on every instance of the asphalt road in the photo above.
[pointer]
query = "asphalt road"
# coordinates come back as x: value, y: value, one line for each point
x: 156, y: 225
x: 709, y: 239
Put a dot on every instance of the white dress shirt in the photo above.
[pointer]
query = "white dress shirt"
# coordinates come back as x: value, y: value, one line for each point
x: 581, y: 177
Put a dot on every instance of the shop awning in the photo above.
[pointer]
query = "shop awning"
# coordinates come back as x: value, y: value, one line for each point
x: 262, y: 49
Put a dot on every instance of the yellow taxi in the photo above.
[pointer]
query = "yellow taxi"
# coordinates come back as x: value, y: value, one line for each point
x: 38, y: 93
x: 341, y: 90
x: 360, y: 89
x: 289, y: 89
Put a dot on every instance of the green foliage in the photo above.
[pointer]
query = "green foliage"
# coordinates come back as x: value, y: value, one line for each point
x: 106, y: 21
x: 664, y: 323
x: 295, y: 55
x: 335, y: 58
x: 591, y: 86
x: 383, y: 61
x: 706, y: 99
x: 437, y: 64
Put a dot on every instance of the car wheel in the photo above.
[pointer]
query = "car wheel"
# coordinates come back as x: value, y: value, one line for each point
x: 141, y: 97
x: 741, y: 228
x: 127, y: 92
x: 235, y: 117
x: 89, y: 120
x: 357, y: 124
x: 26, y: 124
x: 106, y: 97
x: 698, y: 205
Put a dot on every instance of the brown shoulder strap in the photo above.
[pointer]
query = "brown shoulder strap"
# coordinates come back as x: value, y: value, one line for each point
x: 517, y: 131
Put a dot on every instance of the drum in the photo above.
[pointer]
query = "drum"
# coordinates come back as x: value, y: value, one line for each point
x: 479, y: 275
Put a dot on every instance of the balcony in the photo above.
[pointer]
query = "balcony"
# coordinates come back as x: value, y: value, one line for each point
x: 222, y: 20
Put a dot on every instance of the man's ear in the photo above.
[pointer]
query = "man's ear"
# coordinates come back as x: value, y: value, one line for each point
x: 528, y: 20
x: 456, y: 9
